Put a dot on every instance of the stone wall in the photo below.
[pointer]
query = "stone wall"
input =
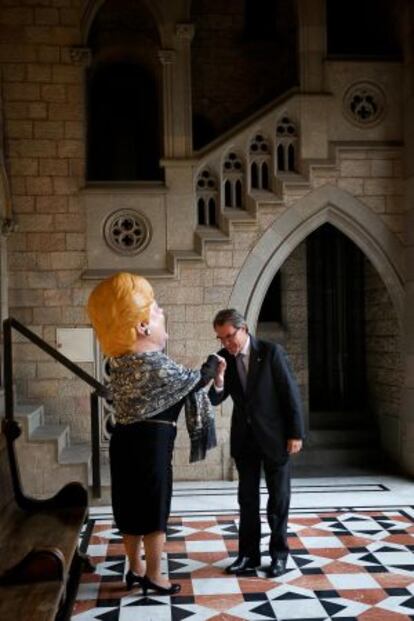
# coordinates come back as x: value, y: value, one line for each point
x: 43, y: 107
x: 375, y: 177
x: 384, y: 360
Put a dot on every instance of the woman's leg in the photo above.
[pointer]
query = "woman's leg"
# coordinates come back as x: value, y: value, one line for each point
x: 132, y: 544
x: 154, y: 546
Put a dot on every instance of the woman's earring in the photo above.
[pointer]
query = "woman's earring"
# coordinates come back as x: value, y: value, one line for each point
x: 147, y: 331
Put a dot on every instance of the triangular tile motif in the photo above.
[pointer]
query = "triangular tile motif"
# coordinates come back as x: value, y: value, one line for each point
x: 177, y: 613
x: 265, y: 610
x: 345, y: 565
x: 112, y: 615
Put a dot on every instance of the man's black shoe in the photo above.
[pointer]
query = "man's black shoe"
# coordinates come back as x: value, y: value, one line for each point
x: 276, y: 568
x: 242, y: 565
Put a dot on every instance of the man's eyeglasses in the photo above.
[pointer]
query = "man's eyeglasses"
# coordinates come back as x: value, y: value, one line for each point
x: 228, y: 337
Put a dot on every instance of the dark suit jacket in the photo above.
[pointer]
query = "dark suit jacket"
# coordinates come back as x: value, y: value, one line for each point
x: 272, y: 402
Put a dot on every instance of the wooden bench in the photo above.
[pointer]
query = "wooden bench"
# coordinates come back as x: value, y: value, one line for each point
x: 40, y: 562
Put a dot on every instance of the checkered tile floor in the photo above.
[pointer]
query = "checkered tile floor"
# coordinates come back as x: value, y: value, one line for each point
x: 346, y: 565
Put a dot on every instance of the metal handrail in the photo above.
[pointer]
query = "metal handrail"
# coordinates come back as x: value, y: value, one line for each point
x: 99, y: 389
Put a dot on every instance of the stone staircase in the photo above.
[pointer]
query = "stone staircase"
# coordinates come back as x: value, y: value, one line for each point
x: 345, y: 443
x: 47, y: 458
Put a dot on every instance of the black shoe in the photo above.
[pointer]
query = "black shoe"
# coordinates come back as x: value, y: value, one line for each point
x: 148, y: 585
x: 242, y: 565
x: 276, y: 568
x: 131, y: 579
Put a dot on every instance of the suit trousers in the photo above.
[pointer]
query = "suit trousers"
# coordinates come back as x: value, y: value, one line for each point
x: 249, y: 464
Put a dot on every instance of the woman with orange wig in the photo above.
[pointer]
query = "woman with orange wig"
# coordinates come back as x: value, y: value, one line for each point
x: 149, y: 390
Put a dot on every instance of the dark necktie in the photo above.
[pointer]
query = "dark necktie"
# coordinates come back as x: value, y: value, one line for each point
x: 241, y: 368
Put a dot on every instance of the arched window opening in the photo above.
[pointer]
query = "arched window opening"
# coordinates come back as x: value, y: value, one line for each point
x: 227, y: 194
x: 233, y: 179
x: 201, y: 212
x: 260, y: 154
x: 124, y: 104
x: 287, y: 141
x: 291, y: 158
x: 207, y: 197
x: 239, y: 199
x: 212, y: 212
x: 265, y: 176
x: 254, y: 176
x: 123, y: 124
x: 280, y: 158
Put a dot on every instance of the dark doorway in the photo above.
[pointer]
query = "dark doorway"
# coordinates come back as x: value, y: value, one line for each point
x: 335, y: 267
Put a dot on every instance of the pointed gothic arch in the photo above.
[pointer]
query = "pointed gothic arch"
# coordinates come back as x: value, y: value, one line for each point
x: 327, y: 204
x: 92, y: 7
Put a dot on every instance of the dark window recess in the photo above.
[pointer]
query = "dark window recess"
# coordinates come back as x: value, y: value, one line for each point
x: 201, y: 212
x: 255, y: 176
x: 260, y: 19
x: 238, y: 194
x: 265, y: 176
x: 291, y: 158
x: 212, y: 212
x: 271, y: 310
x: 367, y: 28
x: 227, y: 194
x: 336, y: 334
x: 124, y: 130
x: 280, y: 158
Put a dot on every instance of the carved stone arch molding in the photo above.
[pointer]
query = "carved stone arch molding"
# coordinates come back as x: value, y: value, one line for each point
x: 155, y: 8
x: 346, y: 213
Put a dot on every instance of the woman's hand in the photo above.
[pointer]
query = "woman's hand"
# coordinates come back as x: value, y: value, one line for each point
x: 221, y: 368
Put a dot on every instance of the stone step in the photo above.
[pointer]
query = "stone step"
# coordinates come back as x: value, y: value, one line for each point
x: 76, y: 454
x: 58, y: 434
x: 337, y: 456
x: 339, y: 438
x: 340, y: 420
x: 30, y: 416
x: 293, y: 180
x: 174, y: 257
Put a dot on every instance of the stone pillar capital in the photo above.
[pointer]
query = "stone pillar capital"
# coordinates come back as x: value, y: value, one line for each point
x: 80, y: 55
x: 167, y: 57
x: 184, y: 31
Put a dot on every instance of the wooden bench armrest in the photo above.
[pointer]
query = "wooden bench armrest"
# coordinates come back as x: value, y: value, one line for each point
x: 39, y: 565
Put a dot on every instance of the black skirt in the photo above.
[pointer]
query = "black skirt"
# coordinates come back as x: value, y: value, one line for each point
x: 141, y: 475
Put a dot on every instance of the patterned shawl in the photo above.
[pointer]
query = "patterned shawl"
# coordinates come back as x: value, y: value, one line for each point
x: 147, y: 384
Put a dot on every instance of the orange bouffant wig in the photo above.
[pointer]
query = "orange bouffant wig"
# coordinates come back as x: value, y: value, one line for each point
x: 115, y: 307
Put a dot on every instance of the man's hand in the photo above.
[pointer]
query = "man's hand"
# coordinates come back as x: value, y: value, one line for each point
x: 294, y: 445
x: 219, y: 378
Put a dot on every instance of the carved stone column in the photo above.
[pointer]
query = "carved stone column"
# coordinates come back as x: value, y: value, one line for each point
x: 312, y: 44
x: 184, y: 36
x: 177, y: 94
x: 167, y: 58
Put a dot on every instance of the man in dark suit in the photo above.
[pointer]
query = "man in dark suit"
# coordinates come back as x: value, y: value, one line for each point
x: 266, y: 427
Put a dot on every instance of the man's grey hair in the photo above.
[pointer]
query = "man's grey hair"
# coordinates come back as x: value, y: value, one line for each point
x: 231, y: 316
